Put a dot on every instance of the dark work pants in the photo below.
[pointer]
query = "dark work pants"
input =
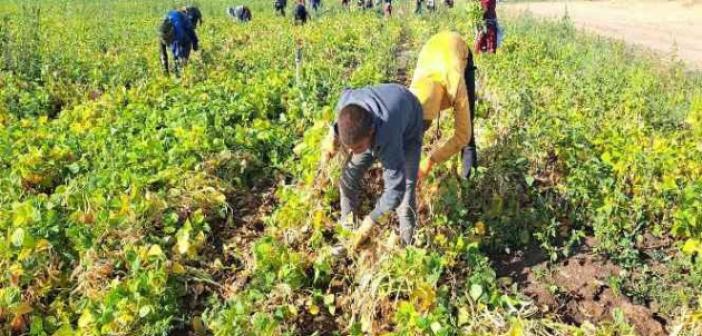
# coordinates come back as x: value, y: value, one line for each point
x: 469, y: 154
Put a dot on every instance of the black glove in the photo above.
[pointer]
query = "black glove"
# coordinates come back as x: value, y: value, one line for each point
x: 196, y: 46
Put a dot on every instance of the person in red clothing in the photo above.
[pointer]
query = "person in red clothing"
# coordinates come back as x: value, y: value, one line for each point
x: 487, y: 37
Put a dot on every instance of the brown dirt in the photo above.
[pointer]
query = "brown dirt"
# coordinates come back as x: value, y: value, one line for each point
x: 403, y: 56
x: 249, y: 210
x: 668, y: 27
x: 241, y: 230
x: 576, y: 289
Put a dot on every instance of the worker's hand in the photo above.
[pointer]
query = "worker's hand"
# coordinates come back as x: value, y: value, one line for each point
x: 196, y: 46
x: 360, y: 236
x: 425, y: 168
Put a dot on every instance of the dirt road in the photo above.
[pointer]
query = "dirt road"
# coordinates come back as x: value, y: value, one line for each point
x: 668, y: 27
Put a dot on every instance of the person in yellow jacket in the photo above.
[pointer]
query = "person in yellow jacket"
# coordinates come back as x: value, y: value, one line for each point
x: 445, y: 78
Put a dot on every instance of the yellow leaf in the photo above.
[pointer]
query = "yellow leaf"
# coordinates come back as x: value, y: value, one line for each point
x: 42, y: 245
x: 480, y: 228
x: 220, y: 198
x: 436, y: 327
x: 177, y: 268
x: 313, y: 309
x: 292, y: 310
x: 16, y: 270
x: 22, y: 308
x: 440, y: 239
x: 24, y: 254
x: 199, y: 327
x: 424, y: 297
x: 691, y: 246
x: 155, y: 251
x: 516, y: 329
x: 463, y: 316
x: 183, y: 244
x: 86, y: 319
x: 318, y: 221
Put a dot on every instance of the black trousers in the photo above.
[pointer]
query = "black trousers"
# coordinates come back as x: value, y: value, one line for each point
x: 469, y: 76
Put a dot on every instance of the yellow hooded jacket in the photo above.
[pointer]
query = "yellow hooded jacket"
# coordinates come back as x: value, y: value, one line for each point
x: 439, y: 84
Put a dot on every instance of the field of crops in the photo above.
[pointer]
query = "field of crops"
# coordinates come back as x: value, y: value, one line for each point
x: 133, y: 203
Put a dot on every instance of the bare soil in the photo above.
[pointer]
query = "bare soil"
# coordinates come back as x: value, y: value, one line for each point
x: 576, y: 289
x: 667, y: 27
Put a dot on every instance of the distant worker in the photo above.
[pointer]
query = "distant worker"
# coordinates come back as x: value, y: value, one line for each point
x: 431, y: 5
x: 240, y: 13
x: 316, y: 4
x: 418, y: 6
x: 445, y: 78
x: 487, y: 35
x: 345, y: 3
x: 177, y: 31
x: 383, y: 123
x: 387, y: 8
x: 280, y: 6
x: 300, y: 13
x: 448, y: 3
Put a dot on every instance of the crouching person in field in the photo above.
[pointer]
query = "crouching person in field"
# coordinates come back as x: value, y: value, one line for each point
x: 444, y: 78
x: 280, y: 7
x: 240, y: 13
x: 177, y: 31
x: 300, y: 13
x: 381, y: 122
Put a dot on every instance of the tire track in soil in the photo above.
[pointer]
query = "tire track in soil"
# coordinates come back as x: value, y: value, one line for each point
x: 402, y: 55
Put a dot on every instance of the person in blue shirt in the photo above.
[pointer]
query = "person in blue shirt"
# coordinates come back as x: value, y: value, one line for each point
x: 178, y: 32
x: 384, y: 123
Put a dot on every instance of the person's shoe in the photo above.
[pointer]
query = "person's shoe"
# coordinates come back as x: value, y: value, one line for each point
x: 470, y: 161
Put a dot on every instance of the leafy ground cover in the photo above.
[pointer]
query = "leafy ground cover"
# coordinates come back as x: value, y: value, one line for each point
x: 136, y: 204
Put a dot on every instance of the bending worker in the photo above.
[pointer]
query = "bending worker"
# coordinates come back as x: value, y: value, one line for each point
x: 381, y: 122
x: 240, y: 13
x: 487, y: 36
x: 178, y: 32
x: 300, y: 14
x: 445, y: 78
x: 280, y: 6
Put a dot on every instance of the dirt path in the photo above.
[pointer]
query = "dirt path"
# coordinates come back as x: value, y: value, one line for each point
x: 668, y: 27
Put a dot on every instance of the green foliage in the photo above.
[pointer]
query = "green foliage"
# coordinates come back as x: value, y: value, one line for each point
x: 124, y: 193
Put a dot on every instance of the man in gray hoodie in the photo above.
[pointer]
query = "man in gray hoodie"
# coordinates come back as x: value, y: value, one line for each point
x: 382, y: 122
